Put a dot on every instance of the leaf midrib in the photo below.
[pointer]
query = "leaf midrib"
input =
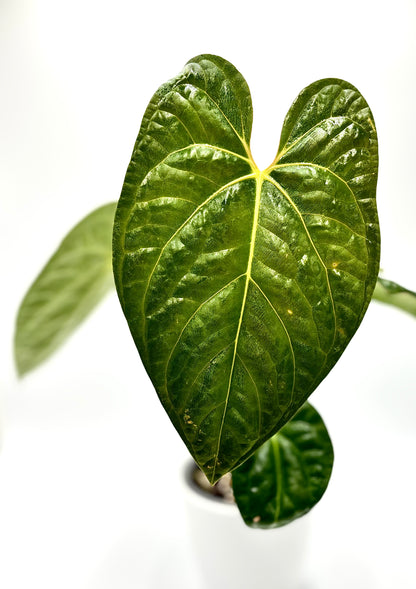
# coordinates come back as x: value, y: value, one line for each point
x: 259, y: 182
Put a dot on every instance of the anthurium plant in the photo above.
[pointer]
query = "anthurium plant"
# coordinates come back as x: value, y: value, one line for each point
x: 241, y: 287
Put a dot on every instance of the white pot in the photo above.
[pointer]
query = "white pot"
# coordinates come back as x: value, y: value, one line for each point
x: 230, y: 554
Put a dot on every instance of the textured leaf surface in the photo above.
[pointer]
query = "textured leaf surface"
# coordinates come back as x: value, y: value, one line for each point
x: 242, y: 287
x: 68, y: 288
x: 391, y: 293
x: 287, y: 475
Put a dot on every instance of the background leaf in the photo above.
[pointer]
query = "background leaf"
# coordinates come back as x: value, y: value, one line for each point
x: 391, y: 293
x: 287, y: 475
x: 76, y: 277
x: 242, y: 288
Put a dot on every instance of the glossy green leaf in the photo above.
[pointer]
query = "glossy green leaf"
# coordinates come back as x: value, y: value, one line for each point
x: 287, y: 475
x: 391, y: 293
x: 242, y: 287
x: 70, y: 285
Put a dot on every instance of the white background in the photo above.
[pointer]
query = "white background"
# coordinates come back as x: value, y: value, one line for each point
x: 83, y: 502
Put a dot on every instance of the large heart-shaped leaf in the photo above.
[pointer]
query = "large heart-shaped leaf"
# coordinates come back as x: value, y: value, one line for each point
x: 70, y: 285
x: 242, y: 287
x: 288, y: 474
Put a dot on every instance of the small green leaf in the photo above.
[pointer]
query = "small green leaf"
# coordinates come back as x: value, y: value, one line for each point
x: 70, y: 285
x: 391, y: 293
x: 286, y: 476
x: 243, y: 287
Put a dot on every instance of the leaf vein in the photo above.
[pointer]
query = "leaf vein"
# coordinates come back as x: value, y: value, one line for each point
x: 190, y: 319
x: 295, y: 208
x: 256, y: 389
x: 207, y: 364
x: 336, y: 221
x: 314, y: 165
x: 285, y: 330
x: 168, y: 112
x: 243, y: 142
x: 198, y: 208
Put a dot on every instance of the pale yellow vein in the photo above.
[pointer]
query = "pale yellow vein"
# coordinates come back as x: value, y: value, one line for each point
x: 295, y: 208
x: 259, y: 183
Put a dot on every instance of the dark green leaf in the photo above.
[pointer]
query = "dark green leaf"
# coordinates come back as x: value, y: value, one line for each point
x: 242, y: 288
x: 286, y: 476
x: 391, y: 293
x: 68, y: 288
